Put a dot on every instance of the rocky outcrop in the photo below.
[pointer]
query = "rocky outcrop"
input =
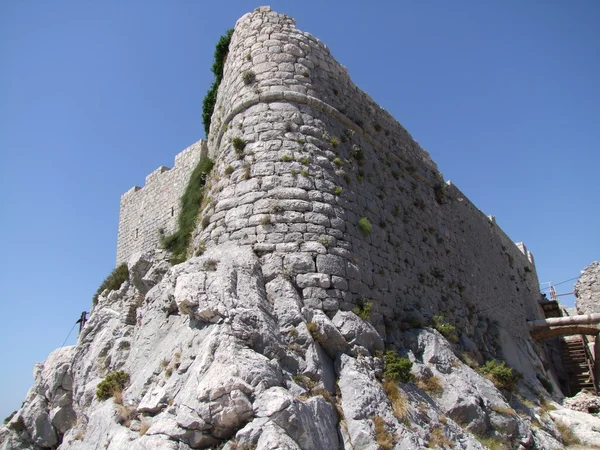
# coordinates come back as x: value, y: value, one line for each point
x: 587, y: 290
x: 219, y: 356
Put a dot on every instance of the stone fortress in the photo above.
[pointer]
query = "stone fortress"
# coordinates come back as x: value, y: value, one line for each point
x: 337, y: 293
x: 333, y: 192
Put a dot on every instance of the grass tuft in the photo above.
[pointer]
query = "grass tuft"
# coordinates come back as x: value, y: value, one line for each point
x: 365, y: 226
x: 397, y: 399
x: 383, y: 437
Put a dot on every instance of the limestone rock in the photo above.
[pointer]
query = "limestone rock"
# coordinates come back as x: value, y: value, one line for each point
x: 585, y: 427
x: 587, y: 290
x: 357, y: 332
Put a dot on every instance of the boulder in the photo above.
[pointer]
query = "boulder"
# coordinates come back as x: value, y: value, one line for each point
x: 358, y: 332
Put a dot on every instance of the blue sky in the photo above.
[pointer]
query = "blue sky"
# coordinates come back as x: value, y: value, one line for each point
x: 95, y: 95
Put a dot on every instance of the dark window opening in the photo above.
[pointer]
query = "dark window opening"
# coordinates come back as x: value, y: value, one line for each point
x: 172, y: 211
x: 136, y: 232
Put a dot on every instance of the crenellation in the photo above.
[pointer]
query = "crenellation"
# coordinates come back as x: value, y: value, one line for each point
x: 155, y: 175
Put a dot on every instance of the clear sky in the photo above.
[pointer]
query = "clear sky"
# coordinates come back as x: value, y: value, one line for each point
x: 95, y: 95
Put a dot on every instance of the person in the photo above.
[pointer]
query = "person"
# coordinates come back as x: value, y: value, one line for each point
x: 82, y: 320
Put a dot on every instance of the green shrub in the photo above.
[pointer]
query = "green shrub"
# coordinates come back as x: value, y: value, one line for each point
x: 9, y: 418
x: 445, y: 329
x: 397, y: 368
x: 365, y: 227
x: 363, y: 310
x: 500, y: 374
x: 178, y: 242
x: 337, y: 190
x: 208, y: 104
x: 338, y: 162
x: 114, y: 383
x: 113, y: 282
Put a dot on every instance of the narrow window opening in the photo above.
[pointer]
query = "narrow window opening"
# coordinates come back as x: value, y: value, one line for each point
x: 172, y: 211
x: 136, y: 232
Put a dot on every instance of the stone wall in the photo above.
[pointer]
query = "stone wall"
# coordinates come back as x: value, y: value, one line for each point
x: 320, y: 156
x: 145, y: 210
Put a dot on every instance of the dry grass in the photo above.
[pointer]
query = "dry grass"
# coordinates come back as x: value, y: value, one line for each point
x: 117, y: 395
x: 79, y: 435
x: 502, y: 410
x: 430, y: 385
x: 546, y: 405
x: 438, y: 439
x: 492, y: 442
x: 384, y: 439
x: 568, y: 436
x: 144, y: 427
x: 313, y: 329
x: 124, y: 416
x: 397, y: 399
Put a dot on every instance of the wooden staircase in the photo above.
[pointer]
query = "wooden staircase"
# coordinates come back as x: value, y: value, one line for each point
x: 577, y: 364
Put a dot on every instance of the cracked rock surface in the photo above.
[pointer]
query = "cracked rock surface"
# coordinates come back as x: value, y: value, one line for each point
x: 217, y: 356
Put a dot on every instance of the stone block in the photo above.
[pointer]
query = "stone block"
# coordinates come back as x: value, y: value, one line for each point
x: 299, y: 263
x: 332, y: 265
x: 305, y: 280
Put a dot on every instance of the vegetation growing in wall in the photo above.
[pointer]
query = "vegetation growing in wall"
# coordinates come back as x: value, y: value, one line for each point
x: 113, y: 384
x: 208, y: 105
x: 365, y: 226
x: 363, y: 309
x: 112, y: 282
x: 190, y: 201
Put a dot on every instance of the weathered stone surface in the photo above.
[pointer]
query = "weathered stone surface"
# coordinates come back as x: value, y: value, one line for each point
x: 357, y: 332
x: 585, y: 427
x: 330, y: 338
x: 587, y: 290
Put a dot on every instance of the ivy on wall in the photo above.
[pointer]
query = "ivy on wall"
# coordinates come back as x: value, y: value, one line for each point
x: 208, y: 105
